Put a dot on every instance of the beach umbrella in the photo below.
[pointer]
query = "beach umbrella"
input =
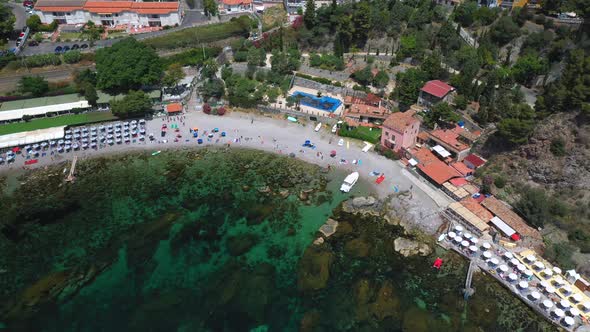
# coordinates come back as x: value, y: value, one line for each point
x: 569, y: 321
x: 93, y: 145
x: 141, y: 121
x: 566, y: 289
x: 68, y: 131
x: 494, y: 261
x: 76, y: 136
x: 487, y: 254
x: 75, y: 146
x: 141, y: 138
x: 535, y: 295
x: 486, y: 245
x: 577, y: 297
x: 558, y: 313
x: 464, y: 243
x: 530, y: 258
x: 117, y: 134
x: 564, y: 304
x: 458, y: 239
x: 459, y: 228
x: 84, y: 146
x: 35, y: 146
x: 110, y: 142
x: 550, y: 289
x: 586, y: 306
x: 68, y: 137
x: 523, y: 285
x: 514, y: 262
x: 451, y: 235
x: 474, y: 240
x: 520, y: 267
x: 503, y: 268
x: 68, y: 142
x: 548, y: 304
x: 473, y: 248
x: 527, y: 273
x: 101, y: 127
x: 27, y: 147
x: 548, y: 273
x: 556, y: 270
x: 512, y: 276
x: 127, y: 139
x: 467, y: 236
x: 15, y: 149
x: 574, y: 312
x: 44, y: 144
x: 558, y: 281
x: 508, y: 255
x: 539, y: 265
x: 52, y: 142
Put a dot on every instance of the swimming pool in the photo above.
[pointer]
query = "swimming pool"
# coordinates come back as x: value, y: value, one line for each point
x: 323, y: 103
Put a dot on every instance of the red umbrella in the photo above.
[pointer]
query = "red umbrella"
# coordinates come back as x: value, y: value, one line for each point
x: 333, y: 153
x: 16, y: 149
x: 515, y: 237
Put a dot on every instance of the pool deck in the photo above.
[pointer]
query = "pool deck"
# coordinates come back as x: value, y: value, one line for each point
x: 534, y: 281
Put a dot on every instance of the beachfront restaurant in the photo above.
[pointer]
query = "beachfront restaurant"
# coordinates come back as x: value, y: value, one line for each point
x: 467, y: 217
x: 41, y: 107
x: 32, y: 137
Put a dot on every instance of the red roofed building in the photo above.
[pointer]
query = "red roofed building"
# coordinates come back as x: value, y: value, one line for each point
x: 368, y: 111
x: 109, y: 13
x: 400, y: 130
x: 435, y: 91
x: 457, y: 140
x: 235, y: 6
x: 462, y: 168
x: 432, y: 167
x: 473, y: 161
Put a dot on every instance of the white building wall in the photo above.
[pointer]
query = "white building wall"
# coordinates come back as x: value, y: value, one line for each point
x: 126, y: 17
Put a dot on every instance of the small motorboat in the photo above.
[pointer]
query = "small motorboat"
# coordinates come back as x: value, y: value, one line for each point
x: 318, y: 127
x: 380, y: 179
x: 341, y: 142
x: 334, y: 129
x: 349, y: 182
x: 155, y: 153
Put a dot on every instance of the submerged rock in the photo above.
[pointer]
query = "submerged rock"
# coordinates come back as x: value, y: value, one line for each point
x: 386, y: 303
x: 314, y: 269
x: 407, y: 247
x: 240, y: 244
x: 359, y: 202
x: 357, y: 248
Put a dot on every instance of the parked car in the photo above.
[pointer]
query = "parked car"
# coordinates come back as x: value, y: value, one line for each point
x: 58, y: 50
x: 84, y: 46
x: 29, y: 10
x: 33, y: 43
x: 28, y: 3
x: 75, y: 47
x: 65, y: 49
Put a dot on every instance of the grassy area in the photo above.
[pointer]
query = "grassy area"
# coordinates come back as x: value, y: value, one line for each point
x: 63, y: 120
x: 362, y: 133
x: 272, y: 17
x: 204, y: 34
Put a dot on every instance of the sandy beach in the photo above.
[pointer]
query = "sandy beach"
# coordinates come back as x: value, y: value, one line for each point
x: 277, y: 136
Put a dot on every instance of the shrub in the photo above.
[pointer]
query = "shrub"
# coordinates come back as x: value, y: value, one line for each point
x: 500, y: 182
x: 72, y: 56
x: 221, y: 111
x: 387, y: 153
x: 561, y: 253
x: 557, y: 147
x: 206, y: 109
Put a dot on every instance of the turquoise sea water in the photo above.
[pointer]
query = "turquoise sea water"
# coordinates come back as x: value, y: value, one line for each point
x: 221, y: 241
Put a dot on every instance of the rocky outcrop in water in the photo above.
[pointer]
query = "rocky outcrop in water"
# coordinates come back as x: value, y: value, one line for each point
x: 407, y: 247
x: 314, y: 269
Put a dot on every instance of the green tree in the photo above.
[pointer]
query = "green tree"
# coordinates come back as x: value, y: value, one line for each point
x: 212, y: 88
x: 90, y: 94
x: 465, y: 13
x: 36, y: 85
x: 309, y: 14
x: 361, y: 22
x: 7, y: 21
x: 504, y: 30
x: 408, y: 85
x: 210, y: 7
x: 432, y: 66
x: 173, y: 75
x: 381, y: 79
x: 72, y: 56
x: 527, y: 68
x: 285, y: 62
x: 226, y: 72
x: 210, y: 68
x: 441, y: 114
x: 363, y: 76
x: 516, y: 131
x: 256, y: 56
x: 127, y: 64
x: 34, y: 23
x: 135, y: 103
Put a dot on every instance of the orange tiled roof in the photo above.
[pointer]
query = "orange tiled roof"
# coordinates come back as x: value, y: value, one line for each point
x: 504, y: 212
x: 462, y: 168
x: 399, y: 121
x: 477, y: 209
x: 430, y: 165
x: 112, y: 7
x: 449, y: 137
x: 57, y: 9
x: 236, y: 2
x: 368, y: 110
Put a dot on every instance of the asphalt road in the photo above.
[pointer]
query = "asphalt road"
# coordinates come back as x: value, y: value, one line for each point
x: 20, y: 14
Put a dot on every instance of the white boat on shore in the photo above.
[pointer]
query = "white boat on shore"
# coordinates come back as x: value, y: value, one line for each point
x: 349, y: 181
x: 318, y: 127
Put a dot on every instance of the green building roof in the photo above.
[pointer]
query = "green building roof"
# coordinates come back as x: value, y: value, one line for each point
x: 38, y: 102
x: 105, y: 98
